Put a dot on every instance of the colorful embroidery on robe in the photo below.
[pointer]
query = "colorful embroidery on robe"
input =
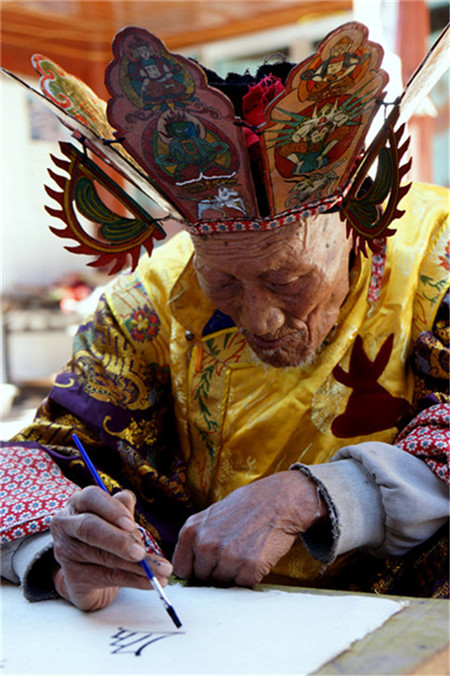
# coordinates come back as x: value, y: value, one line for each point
x: 211, y: 360
x: 432, y: 360
x: 109, y: 389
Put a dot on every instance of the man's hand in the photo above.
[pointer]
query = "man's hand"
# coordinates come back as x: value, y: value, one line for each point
x: 98, y: 548
x: 239, y: 539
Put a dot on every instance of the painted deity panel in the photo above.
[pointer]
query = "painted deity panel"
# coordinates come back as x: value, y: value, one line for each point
x: 180, y: 130
x: 315, y: 130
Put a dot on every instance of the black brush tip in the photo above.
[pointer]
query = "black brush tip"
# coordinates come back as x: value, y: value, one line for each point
x: 174, y: 617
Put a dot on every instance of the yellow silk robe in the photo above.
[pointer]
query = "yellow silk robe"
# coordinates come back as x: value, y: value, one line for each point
x: 237, y: 418
x: 240, y: 419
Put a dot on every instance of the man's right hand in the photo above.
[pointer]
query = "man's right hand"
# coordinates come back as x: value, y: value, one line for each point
x: 98, y: 548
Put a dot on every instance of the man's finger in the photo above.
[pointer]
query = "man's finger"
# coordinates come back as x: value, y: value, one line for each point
x: 127, y: 499
x: 183, y: 557
x: 69, y: 551
x: 92, y: 530
x: 160, y: 567
x: 117, y: 510
x: 99, y: 577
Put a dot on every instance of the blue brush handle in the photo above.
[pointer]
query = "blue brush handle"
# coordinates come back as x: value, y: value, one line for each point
x: 155, y: 582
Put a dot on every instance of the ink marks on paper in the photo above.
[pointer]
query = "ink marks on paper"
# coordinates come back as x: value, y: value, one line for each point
x: 129, y: 642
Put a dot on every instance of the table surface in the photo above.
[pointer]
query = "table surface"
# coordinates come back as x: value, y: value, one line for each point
x: 414, y: 641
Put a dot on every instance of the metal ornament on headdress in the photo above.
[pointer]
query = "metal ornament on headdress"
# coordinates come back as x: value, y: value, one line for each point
x: 176, y: 139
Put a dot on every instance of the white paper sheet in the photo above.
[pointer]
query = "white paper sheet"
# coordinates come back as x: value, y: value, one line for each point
x: 225, y: 631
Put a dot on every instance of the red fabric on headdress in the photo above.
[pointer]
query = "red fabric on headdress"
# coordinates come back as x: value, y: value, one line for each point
x: 255, y: 102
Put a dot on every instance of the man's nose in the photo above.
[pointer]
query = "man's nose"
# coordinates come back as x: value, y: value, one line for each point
x: 260, y: 312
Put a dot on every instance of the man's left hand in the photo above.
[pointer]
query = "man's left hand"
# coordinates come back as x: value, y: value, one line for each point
x: 239, y: 539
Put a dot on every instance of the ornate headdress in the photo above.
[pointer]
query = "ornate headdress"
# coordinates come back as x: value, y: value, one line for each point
x: 287, y: 147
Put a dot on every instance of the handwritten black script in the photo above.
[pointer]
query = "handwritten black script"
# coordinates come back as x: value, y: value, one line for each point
x: 127, y: 641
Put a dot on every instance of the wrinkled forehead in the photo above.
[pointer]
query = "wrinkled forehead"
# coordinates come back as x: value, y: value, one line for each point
x: 250, y: 243
x: 309, y: 239
x: 304, y: 234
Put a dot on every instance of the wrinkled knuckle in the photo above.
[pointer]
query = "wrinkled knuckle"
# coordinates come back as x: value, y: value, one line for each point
x: 209, y: 548
x: 189, y: 530
x: 87, y: 527
x: 58, y: 528
x: 60, y: 551
x: 71, y: 502
x: 89, y: 490
x: 110, y: 578
x: 82, y: 501
x: 56, y: 525
x: 129, y: 496
x: 57, y: 551
x: 251, y: 572
x: 103, y: 558
x: 192, y: 522
x: 88, y: 494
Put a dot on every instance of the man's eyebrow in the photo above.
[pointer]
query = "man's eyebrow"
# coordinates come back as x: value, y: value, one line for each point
x: 299, y: 271
x: 206, y: 269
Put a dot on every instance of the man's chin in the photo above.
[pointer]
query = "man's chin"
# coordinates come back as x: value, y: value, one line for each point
x: 282, y: 358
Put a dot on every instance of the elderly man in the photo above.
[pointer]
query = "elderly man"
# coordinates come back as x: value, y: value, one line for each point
x: 254, y: 387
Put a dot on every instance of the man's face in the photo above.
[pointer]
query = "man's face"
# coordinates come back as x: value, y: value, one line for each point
x: 282, y: 288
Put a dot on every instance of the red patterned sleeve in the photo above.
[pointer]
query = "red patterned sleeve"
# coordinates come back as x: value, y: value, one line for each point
x: 33, y: 489
x: 427, y: 435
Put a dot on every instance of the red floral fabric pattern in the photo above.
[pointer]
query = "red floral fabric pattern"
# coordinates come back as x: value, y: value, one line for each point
x: 33, y: 489
x: 428, y: 437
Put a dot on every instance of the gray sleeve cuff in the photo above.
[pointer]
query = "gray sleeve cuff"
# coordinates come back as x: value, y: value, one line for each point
x: 380, y: 498
x: 355, y: 510
x: 32, y: 564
